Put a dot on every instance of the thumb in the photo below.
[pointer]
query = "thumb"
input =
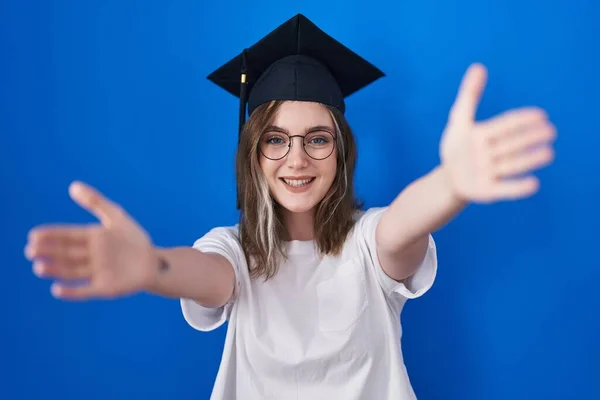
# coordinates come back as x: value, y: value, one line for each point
x: 469, y: 94
x: 93, y: 201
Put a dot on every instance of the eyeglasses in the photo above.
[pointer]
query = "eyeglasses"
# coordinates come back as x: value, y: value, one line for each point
x: 276, y: 145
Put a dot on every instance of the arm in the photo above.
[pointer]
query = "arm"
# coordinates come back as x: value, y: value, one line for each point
x: 117, y: 257
x: 480, y: 162
x: 403, y: 232
x: 184, y: 272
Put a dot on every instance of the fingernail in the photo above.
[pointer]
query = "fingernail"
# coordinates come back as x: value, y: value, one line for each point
x: 32, y: 234
x: 28, y: 251
x: 38, y: 268
x: 55, y: 290
x: 75, y: 188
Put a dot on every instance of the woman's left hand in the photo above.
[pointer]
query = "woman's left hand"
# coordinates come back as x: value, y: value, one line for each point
x: 492, y: 160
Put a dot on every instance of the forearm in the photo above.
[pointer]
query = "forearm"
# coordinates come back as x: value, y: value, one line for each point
x: 425, y: 206
x: 189, y: 273
x: 402, y: 234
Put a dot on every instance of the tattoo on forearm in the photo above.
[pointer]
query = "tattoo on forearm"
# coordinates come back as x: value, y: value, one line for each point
x: 163, y: 265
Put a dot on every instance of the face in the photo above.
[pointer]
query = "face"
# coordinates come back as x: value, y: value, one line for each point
x: 297, y: 181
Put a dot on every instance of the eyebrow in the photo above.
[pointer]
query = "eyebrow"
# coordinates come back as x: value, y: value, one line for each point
x: 309, y: 130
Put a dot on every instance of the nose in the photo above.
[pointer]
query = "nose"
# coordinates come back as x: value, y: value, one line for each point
x: 297, y: 157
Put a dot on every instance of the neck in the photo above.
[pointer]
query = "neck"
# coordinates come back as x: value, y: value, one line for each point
x: 299, y: 226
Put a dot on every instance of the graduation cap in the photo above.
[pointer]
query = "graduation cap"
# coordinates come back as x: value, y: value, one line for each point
x: 296, y: 61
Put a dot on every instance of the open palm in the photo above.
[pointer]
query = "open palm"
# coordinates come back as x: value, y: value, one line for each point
x: 492, y: 160
x: 114, y: 257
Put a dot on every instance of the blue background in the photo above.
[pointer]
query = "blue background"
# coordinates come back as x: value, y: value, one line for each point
x: 114, y: 93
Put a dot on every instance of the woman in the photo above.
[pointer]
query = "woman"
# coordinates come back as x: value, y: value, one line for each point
x: 312, y: 286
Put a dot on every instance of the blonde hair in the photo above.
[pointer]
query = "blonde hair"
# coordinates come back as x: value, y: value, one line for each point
x: 261, y: 224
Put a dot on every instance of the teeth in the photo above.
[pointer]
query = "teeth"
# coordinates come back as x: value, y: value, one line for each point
x: 297, y: 182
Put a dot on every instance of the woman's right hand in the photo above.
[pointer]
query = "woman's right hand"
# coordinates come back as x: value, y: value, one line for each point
x: 115, y: 257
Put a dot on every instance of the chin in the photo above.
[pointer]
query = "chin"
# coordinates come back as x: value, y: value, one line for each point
x: 297, y: 208
x: 296, y: 203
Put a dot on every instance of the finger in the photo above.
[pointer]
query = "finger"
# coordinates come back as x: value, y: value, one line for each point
x: 511, y: 121
x: 57, y: 242
x: 469, y: 94
x: 70, y: 292
x: 95, y: 202
x: 523, y: 163
x: 59, y: 235
x: 56, y: 249
x: 50, y: 270
x: 58, y: 257
x: 516, y: 188
x: 511, y: 145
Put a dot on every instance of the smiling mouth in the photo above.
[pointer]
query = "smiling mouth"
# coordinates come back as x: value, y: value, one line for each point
x: 297, y: 183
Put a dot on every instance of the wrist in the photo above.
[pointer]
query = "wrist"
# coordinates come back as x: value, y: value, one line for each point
x: 449, y: 188
x: 158, y: 266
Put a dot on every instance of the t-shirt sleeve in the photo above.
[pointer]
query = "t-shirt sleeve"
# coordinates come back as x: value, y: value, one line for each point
x: 412, y: 287
x: 223, y: 241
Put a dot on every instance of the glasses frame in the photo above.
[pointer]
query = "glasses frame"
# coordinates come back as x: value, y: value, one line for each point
x: 303, y: 146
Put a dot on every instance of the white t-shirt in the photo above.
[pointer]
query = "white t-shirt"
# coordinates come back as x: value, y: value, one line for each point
x: 320, y: 329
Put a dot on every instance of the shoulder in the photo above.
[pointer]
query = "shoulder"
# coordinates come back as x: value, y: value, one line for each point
x: 222, y: 239
x: 225, y: 233
x: 365, y: 225
x: 368, y: 218
x: 225, y: 241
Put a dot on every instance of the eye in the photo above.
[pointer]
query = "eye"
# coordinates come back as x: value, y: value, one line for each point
x: 275, y: 140
x: 319, y: 140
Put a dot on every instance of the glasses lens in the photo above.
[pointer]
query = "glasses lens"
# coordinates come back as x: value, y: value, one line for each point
x: 319, y: 145
x: 274, y: 145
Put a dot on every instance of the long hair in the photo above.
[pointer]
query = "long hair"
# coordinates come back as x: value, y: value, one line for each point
x: 261, y: 222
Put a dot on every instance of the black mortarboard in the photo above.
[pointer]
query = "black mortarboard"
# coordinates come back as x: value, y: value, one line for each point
x: 296, y: 61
